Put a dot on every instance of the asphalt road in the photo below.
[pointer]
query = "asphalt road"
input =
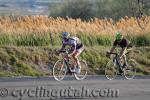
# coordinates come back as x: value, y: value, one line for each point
x: 92, y: 88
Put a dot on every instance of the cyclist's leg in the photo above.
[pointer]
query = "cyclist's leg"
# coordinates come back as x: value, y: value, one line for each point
x: 75, y: 56
x: 123, y: 56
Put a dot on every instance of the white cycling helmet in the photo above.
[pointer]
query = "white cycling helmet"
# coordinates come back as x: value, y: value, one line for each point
x: 65, y: 35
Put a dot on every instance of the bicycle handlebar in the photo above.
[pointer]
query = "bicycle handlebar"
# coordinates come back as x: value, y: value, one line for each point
x: 114, y: 53
x: 64, y: 51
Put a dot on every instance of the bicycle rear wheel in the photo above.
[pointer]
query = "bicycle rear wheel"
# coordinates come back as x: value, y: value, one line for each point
x: 83, y: 72
x: 130, y: 70
x: 111, y: 70
x: 59, y: 70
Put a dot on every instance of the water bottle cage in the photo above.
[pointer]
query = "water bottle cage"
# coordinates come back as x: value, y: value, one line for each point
x: 114, y: 60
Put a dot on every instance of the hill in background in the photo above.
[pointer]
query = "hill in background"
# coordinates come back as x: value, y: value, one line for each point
x: 26, y: 7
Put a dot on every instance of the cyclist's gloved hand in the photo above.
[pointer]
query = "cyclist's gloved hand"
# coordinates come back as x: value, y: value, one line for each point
x: 108, y: 54
x: 57, y: 52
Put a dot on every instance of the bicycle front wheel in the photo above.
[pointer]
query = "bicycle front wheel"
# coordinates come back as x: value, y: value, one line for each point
x: 83, y: 71
x: 130, y: 70
x: 111, y: 70
x: 59, y: 70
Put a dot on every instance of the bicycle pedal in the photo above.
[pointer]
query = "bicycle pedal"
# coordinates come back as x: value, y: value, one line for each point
x: 121, y: 74
x: 70, y: 73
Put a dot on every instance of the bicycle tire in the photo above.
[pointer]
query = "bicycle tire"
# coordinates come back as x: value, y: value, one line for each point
x: 111, y: 70
x: 83, y: 73
x: 130, y: 70
x: 61, y: 69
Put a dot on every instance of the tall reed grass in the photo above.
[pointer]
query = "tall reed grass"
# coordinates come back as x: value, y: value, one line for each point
x: 43, y: 30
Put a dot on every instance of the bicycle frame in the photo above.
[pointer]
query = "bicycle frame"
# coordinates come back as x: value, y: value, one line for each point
x: 66, y: 60
x: 116, y: 60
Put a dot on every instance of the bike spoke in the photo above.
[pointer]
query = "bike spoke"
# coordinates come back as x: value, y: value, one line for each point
x: 83, y: 72
x: 130, y: 70
x: 59, y: 70
x: 110, y: 70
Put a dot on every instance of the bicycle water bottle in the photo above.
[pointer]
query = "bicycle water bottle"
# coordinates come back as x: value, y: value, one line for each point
x: 114, y: 61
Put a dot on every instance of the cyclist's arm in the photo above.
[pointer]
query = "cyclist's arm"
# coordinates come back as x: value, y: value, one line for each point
x: 63, y: 47
x: 112, y: 49
x: 75, y: 46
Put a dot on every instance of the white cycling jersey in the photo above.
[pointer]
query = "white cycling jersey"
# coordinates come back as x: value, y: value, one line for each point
x: 73, y: 41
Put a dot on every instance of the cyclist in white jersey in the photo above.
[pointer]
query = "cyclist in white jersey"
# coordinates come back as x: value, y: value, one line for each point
x: 76, y: 48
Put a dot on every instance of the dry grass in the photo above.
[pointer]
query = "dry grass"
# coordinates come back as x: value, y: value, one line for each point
x: 41, y: 24
x: 35, y: 30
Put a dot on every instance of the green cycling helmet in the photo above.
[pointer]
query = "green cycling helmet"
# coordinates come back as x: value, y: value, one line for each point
x: 118, y: 36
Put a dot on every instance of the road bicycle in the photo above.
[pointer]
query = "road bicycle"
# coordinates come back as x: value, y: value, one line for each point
x: 115, y: 66
x: 65, y: 65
